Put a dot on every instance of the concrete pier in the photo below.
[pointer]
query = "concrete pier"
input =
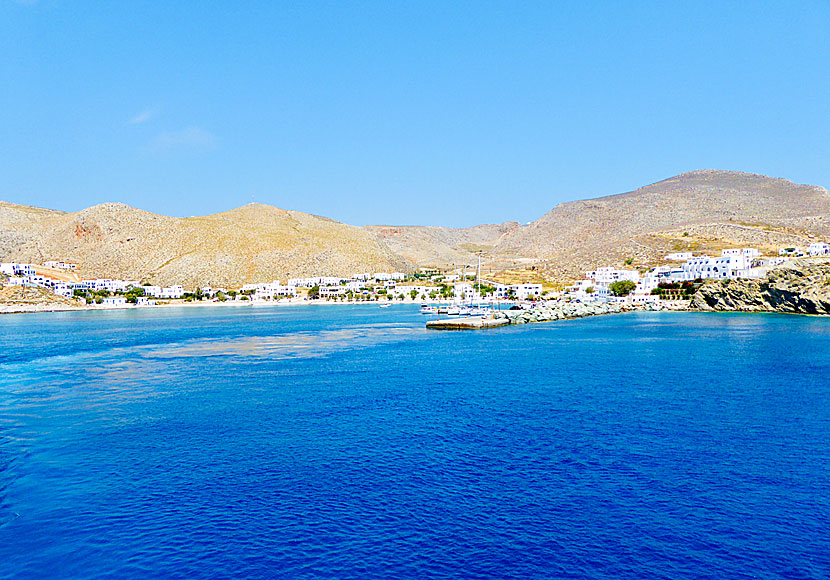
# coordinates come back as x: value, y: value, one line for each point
x: 471, y: 323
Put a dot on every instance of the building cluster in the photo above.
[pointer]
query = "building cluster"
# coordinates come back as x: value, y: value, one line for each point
x: 396, y: 285
x: 455, y: 285
x: 26, y: 275
x: 432, y: 284
x: 732, y: 263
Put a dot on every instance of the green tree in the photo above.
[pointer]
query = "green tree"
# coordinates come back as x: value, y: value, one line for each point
x: 589, y: 290
x: 622, y: 287
x: 314, y: 292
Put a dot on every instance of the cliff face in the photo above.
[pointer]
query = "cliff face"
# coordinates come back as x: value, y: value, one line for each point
x: 798, y: 287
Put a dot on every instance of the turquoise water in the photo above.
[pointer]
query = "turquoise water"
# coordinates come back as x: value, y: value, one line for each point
x: 349, y: 442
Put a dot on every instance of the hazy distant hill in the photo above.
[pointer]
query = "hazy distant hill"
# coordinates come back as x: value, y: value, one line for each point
x: 251, y: 243
x: 713, y: 208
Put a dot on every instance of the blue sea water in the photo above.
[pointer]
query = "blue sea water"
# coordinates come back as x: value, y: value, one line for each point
x: 349, y: 442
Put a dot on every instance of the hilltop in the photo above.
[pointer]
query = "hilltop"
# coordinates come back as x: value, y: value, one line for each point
x: 252, y: 243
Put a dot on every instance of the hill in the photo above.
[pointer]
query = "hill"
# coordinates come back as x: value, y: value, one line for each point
x: 699, y: 211
x: 251, y: 243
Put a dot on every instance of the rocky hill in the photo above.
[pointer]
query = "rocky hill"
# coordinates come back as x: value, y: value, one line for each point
x: 801, y: 286
x: 251, y: 243
x: 700, y: 210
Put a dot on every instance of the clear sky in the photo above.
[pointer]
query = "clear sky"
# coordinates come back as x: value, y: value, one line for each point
x: 445, y: 113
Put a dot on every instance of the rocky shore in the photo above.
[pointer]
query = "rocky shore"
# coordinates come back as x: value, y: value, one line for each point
x: 14, y: 299
x: 796, y: 287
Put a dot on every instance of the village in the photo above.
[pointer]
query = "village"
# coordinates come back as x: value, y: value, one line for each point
x: 676, y: 280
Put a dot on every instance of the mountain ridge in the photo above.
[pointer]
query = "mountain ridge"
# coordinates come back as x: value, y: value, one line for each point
x: 699, y: 210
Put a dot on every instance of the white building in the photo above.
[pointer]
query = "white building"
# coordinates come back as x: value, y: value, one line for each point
x: 175, y: 291
x: 420, y: 291
x: 15, y: 269
x: 270, y: 291
x: 114, y: 301
x: 519, y: 291
x: 679, y: 256
x: 329, y: 291
x: 59, y: 265
x: 608, y: 275
x: 818, y: 249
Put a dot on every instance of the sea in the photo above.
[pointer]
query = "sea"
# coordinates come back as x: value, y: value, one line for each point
x: 350, y: 442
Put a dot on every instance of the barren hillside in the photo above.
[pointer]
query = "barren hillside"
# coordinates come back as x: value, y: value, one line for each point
x: 700, y: 210
x: 252, y: 243
x: 442, y: 247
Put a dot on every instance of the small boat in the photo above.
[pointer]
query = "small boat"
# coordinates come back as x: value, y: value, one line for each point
x: 427, y: 309
x: 453, y: 311
x: 387, y: 305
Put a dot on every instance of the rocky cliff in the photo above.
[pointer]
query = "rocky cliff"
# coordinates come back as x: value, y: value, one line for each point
x: 799, y: 287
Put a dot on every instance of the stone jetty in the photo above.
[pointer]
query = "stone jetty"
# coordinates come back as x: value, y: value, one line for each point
x: 560, y: 310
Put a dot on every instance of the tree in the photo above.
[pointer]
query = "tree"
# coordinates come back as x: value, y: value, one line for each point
x: 622, y: 287
x: 589, y: 290
x: 314, y: 292
x: 628, y: 261
x: 414, y: 294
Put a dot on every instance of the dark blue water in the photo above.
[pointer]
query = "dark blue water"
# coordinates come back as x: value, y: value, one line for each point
x: 348, y: 442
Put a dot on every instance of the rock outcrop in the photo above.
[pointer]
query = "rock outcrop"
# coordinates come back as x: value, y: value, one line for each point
x: 797, y: 287
x: 21, y: 299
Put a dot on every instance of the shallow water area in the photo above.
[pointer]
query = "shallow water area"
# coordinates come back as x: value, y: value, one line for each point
x: 350, y: 442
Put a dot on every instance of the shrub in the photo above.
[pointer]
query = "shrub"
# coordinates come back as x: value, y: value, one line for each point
x: 622, y: 287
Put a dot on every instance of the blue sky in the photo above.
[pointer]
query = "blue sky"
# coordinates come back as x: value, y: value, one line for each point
x: 402, y: 112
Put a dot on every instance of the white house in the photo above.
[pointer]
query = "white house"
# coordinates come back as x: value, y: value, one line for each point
x: 15, y: 269
x: 329, y: 291
x: 271, y: 291
x: 59, y: 265
x: 732, y: 263
x: 519, y: 291
x: 679, y: 256
x: 818, y: 249
x: 172, y: 292
x: 114, y: 301
x: 608, y: 275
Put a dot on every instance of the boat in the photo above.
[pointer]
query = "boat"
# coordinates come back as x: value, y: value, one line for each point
x: 453, y: 311
x: 427, y: 309
x: 387, y: 305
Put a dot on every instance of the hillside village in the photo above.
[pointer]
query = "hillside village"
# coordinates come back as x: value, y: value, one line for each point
x: 675, y: 280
